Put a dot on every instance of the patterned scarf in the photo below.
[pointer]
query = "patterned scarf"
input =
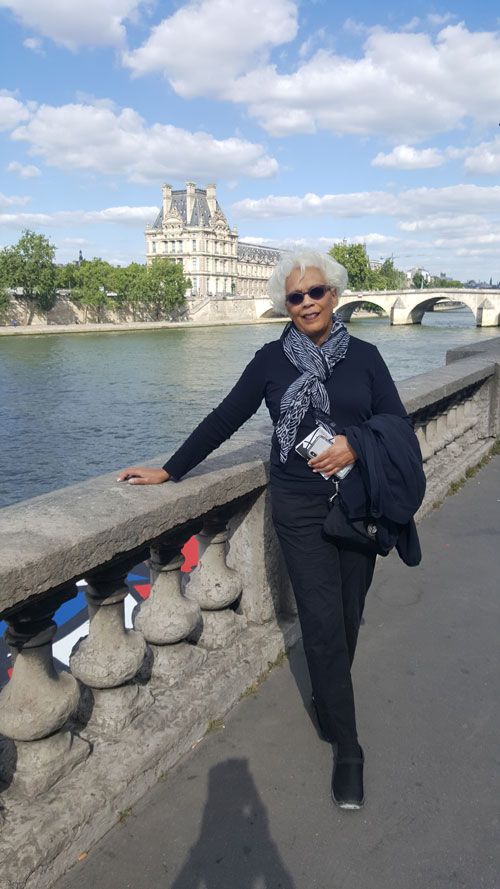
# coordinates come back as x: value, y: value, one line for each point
x: 315, y: 364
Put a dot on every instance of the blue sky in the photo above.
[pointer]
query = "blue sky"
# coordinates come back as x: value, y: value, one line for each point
x: 371, y: 122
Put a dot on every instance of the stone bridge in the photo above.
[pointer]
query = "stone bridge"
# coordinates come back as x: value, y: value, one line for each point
x: 408, y: 306
x: 80, y: 746
x: 402, y: 306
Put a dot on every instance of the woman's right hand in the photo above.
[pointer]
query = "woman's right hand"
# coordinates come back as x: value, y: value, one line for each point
x: 136, y: 475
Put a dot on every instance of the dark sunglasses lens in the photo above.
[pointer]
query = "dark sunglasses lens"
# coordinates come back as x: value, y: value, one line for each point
x: 318, y: 292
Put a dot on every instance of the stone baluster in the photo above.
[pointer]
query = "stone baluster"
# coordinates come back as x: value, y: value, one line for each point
x: 108, y: 659
x: 37, y: 702
x: 426, y: 451
x: 167, y: 617
x: 431, y: 436
x: 256, y: 554
x: 215, y: 586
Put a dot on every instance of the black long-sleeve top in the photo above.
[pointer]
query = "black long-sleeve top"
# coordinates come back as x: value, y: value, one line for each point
x: 359, y: 387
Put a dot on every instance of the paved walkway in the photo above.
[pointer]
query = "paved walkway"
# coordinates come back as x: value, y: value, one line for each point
x: 250, y: 808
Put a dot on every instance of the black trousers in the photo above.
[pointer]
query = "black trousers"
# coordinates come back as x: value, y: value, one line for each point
x: 330, y: 586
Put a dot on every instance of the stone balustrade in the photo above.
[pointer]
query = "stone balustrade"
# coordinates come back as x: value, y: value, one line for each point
x: 79, y: 746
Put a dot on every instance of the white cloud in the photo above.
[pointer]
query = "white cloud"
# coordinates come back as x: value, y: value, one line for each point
x: 406, y: 86
x: 74, y: 24
x: 95, y: 138
x: 12, y: 201
x: 374, y: 239
x: 405, y: 157
x: 34, y: 43
x: 207, y: 43
x: 25, y: 172
x: 351, y: 26
x: 280, y: 207
x: 133, y: 216
x: 484, y: 158
x: 406, y: 203
x: 12, y: 112
x: 439, y: 20
x: 462, y: 222
x: 412, y: 24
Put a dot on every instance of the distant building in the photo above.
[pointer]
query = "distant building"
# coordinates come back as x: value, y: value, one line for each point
x: 192, y: 229
x: 410, y: 274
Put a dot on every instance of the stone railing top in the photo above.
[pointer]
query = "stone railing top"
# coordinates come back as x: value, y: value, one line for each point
x: 428, y: 388
x: 58, y: 537
x: 61, y: 536
x: 477, y: 361
x: 489, y: 349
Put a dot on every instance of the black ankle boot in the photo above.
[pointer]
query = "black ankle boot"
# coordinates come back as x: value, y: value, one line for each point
x: 347, y: 781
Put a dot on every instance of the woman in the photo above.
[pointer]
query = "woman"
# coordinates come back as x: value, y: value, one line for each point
x: 315, y: 375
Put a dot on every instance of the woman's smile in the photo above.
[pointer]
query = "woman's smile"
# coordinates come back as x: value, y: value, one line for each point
x: 312, y: 316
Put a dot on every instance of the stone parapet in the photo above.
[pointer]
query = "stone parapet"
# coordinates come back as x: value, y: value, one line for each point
x: 81, y: 745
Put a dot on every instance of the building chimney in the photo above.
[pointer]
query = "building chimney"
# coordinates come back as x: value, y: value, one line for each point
x: 166, y: 191
x: 211, y: 199
x: 190, y: 186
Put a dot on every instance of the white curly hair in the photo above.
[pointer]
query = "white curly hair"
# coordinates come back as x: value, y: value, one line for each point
x: 334, y: 274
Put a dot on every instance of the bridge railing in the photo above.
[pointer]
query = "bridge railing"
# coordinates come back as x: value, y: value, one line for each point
x: 88, y: 741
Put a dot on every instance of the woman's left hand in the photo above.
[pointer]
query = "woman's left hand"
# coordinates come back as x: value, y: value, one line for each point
x: 334, y: 458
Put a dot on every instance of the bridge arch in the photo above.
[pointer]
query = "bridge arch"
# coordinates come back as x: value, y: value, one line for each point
x: 270, y: 313
x: 346, y: 306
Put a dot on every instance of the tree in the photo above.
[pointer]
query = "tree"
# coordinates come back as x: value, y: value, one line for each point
x: 29, y: 265
x: 391, y: 277
x: 445, y: 282
x: 66, y: 276
x: 353, y: 257
x: 418, y: 280
x: 92, y: 285
x: 165, y: 286
x: 4, y: 297
x: 130, y: 285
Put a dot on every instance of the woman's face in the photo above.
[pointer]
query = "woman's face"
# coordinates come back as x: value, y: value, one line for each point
x: 313, y: 316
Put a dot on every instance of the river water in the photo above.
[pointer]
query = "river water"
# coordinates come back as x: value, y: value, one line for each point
x: 76, y: 406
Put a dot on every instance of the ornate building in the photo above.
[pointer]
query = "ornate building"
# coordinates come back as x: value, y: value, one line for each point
x: 192, y: 229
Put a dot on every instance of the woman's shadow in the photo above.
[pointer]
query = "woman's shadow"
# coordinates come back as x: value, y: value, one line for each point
x: 235, y: 849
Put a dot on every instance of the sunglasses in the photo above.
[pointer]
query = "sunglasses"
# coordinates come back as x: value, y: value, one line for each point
x: 317, y: 291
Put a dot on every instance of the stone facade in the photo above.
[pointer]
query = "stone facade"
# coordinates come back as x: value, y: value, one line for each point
x: 192, y: 229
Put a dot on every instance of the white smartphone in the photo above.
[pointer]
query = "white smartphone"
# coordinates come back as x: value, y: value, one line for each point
x: 317, y: 442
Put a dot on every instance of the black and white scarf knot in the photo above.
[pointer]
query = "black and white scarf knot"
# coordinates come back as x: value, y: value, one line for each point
x: 315, y: 364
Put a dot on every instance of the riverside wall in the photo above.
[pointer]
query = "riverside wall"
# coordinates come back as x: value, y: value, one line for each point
x: 79, y: 747
x: 66, y: 312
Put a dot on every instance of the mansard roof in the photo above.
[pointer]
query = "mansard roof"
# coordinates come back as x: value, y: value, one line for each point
x: 201, y: 214
x: 255, y: 253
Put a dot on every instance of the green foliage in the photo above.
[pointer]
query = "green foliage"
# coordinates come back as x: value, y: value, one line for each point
x: 29, y: 265
x: 360, y: 276
x: 92, y: 285
x: 165, y: 286
x: 353, y: 257
x: 387, y: 277
x: 445, y: 282
x: 66, y: 276
x: 129, y: 284
x: 419, y: 281
x: 96, y: 284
